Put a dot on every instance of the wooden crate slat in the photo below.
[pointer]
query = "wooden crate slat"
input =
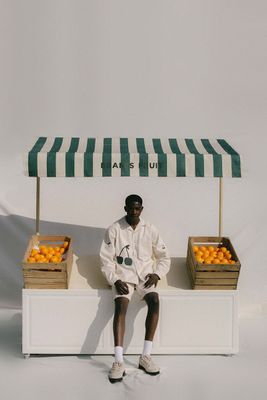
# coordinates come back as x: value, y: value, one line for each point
x: 45, y: 286
x: 52, y: 238
x: 215, y: 287
x: 211, y: 281
x: 206, y: 239
x: 45, y: 280
x: 28, y: 250
x: 190, y: 275
x: 217, y: 267
x: 215, y: 274
x: 62, y: 267
x: 191, y: 268
x: 41, y: 274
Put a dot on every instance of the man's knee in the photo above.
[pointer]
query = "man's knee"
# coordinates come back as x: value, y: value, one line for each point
x: 121, y: 305
x: 152, y: 299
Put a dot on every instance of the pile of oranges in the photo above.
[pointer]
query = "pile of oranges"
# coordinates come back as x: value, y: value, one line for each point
x: 48, y: 254
x: 213, y: 255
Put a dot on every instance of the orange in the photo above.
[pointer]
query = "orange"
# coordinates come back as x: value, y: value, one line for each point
x: 62, y: 250
x: 220, y: 255
x: 65, y: 245
x: 34, y: 252
x: 208, y: 261
x: 31, y: 260
x: 54, y: 259
x: 211, y: 248
x: 206, y: 254
x: 223, y: 249
x: 203, y: 248
x: 199, y: 253
x: 48, y: 256
x: 216, y: 261
x: 195, y: 248
x: 228, y: 256
x: 224, y: 261
x: 44, y: 251
x: 199, y: 259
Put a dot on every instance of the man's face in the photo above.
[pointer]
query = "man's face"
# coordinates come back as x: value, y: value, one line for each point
x: 133, y: 211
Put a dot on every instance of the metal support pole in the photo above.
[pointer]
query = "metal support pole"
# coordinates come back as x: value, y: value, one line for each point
x: 220, y: 205
x: 37, y: 206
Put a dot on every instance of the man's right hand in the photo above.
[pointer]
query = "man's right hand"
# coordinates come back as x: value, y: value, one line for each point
x: 121, y: 287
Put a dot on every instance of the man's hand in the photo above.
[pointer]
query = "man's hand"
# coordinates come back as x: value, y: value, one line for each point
x: 121, y: 287
x: 152, y: 279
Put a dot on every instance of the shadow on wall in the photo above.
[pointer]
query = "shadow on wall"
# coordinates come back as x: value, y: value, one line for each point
x: 11, y: 336
x: 15, y: 233
x: 88, y: 268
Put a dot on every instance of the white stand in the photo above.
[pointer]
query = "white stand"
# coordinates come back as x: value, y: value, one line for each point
x: 79, y: 320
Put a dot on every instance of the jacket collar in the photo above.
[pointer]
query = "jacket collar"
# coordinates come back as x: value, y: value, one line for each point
x: 142, y: 222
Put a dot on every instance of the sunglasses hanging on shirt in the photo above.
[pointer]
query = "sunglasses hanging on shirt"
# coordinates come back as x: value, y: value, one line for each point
x: 127, y: 260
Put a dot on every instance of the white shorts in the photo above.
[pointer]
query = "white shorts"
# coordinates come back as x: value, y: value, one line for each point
x: 141, y: 290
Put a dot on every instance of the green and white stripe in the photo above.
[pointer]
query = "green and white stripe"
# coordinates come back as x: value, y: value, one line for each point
x: 94, y: 157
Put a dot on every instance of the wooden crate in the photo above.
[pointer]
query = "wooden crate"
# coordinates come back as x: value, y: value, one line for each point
x: 212, y: 276
x: 47, y: 275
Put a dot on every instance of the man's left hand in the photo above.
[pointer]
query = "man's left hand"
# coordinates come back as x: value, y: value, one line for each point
x: 152, y: 279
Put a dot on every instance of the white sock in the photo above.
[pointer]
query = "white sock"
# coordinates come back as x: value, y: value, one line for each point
x: 118, y: 350
x: 147, y: 347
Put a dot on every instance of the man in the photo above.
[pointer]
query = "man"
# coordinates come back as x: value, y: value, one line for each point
x: 133, y: 256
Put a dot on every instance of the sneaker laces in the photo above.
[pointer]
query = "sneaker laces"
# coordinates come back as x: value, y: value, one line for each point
x: 116, y: 365
x: 148, y: 359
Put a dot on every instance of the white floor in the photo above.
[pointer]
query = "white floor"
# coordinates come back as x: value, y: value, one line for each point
x: 190, y: 377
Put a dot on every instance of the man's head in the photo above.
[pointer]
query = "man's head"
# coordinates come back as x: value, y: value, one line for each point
x: 133, y: 208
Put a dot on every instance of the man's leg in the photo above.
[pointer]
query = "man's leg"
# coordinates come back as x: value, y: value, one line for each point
x: 117, y: 371
x: 152, y: 301
x: 121, y: 305
x: 145, y: 361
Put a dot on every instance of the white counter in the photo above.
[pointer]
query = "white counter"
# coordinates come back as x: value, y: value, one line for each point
x: 79, y: 320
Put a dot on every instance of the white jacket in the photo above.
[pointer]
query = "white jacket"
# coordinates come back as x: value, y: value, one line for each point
x: 143, y: 245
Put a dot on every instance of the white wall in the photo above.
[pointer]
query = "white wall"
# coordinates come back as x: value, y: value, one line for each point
x: 182, y: 68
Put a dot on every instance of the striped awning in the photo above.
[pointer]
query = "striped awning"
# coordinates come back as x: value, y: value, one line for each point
x: 94, y: 157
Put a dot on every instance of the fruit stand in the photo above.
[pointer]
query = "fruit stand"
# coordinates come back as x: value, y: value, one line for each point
x: 131, y: 157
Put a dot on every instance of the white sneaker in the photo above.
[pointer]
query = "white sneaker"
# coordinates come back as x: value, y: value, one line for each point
x: 117, y: 372
x: 147, y: 364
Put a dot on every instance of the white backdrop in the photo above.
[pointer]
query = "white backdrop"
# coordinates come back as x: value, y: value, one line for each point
x: 184, y: 68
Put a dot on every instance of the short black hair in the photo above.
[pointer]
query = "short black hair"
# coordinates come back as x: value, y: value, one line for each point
x: 133, y: 198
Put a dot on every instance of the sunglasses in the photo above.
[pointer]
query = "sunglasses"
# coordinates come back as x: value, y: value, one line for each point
x: 127, y: 260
